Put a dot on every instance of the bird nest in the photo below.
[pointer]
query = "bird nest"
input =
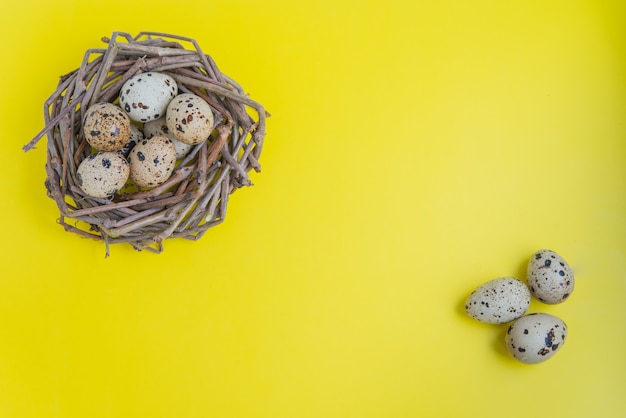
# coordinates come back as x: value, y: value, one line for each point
x: 194, y: 198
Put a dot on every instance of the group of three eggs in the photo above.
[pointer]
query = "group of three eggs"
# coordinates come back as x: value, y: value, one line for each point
x: 141, y: 138
x: 535, y: 337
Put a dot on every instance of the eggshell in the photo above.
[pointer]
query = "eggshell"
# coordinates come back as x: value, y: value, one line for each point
x: 535, y: 338
x: 102, y: 174
x: 550, y: 278
x: 145, y: 96
x: 159, y: 127
x: 106, y: 127
x: 498, y: 301
x: 189, y: 118
x: 152, y: 161
x: 136, y: 135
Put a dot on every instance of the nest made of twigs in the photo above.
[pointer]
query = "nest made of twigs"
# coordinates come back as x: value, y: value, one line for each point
x: 195, y: 197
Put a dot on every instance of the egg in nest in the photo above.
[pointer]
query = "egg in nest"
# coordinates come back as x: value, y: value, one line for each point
x: 152, y: 161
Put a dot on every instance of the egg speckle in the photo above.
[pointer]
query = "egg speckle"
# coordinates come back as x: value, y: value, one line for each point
x: 145, y: 96
x: 152, y: 161
x: 159, y: 127
x: 189, y: 118
x: 535, y: 338
x: 498, y: 301
x: 550, y: 278
x: 102, y: 174
x: 106, y: 127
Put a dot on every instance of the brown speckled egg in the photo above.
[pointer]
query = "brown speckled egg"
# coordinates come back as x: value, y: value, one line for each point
x: 145, y: 96
x: 106, y: 127
x: 136, y: 135
x: 102, y: 174
x: 498, y: 301
x: 535, y: 338
x: 152, y: 161
x: 159, y: 127
x: 189, y: 118
x: 550, y: 278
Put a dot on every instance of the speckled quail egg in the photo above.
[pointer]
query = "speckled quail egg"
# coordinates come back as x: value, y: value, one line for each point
x: 159, y: 127
x: 189, y: 118
x: 498, y: 301
x: 136, y: 135
x: 102, y: 174
x: 106, y: 127
x: 550, y: 278
x: 145, y: 96
x: 535, y: 338
x: 152, y: 161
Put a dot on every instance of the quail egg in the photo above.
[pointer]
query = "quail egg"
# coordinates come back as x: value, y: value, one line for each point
x: 536, y: 337
x: 498, y: 301
x: 145, y: 96
x: 136, y: 135
x: 159, y: 127
x: 106, y: 127
x: 102, y: 174
x: 550, y: 278
x: 152, y: 161
x: 189, y: 118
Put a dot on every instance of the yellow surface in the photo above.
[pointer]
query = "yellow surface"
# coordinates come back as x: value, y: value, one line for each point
x: 416, y: 149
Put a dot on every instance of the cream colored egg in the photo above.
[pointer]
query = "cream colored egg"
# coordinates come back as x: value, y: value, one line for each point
x: 550, y: 278
x: 136, y: 135
x: 535, y: 338
x: 145, y: 96
x: 159, y: 127
x: 152, y: 161
x: 102, y: 174
x: 189, y: 118
x: 106, y: 127
x: 498, y: 301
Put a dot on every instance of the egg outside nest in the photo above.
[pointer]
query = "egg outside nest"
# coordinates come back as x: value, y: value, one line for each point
x: 498, y: 301
x: 195, y: 196
x: 550, y: 278
x: 530, y: 338
x: 536, y: 337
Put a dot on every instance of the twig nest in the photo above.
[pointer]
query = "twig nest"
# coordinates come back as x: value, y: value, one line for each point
x: 177, y: 133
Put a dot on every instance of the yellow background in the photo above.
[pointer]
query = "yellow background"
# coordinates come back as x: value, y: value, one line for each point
x: 416, y: 149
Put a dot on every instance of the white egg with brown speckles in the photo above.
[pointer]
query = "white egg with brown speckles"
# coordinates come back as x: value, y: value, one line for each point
x: 159, y: 127
x: 152, y: 161
x: 189, y: 118
x: 106, y: 127
x: 550, y: 278
x: 136, y: 135
x: 498, y: 301
x: 102, y: 174
x: 535, y: 338
x: 145, y: 96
